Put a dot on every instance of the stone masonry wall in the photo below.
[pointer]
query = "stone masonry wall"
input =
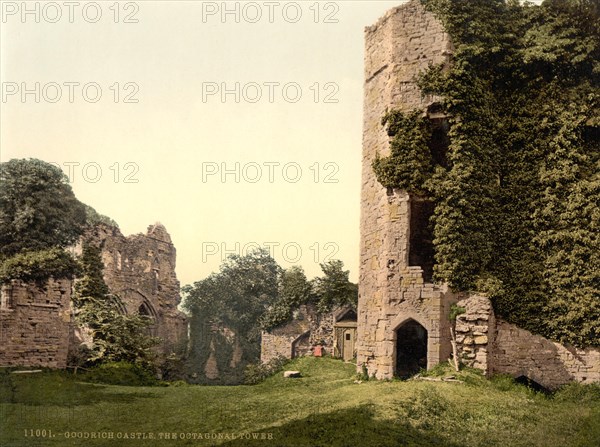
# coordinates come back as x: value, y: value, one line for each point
x: 403, y: 43
x: 280, y: 340
x: 520, y: 353
x: 399, y: 46
x: 474, y: 330
x: 35, y: 322
x: 498, y: 347
x: 140, y: 269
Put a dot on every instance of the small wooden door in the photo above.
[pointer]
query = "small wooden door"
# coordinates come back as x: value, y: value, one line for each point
x: 348, y: 351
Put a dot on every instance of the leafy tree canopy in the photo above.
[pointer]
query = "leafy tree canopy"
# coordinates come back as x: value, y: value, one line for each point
x: 331, y: 290
x: 231, y: 300
x: 39, y: 266
x: 334, y: 288
x: 38, y: 209
x: 251, y: 293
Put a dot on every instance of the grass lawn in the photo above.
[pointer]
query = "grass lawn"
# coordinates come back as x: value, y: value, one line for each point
x: 323, y: 408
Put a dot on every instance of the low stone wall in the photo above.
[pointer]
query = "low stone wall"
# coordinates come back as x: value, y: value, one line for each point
x: 497, y: 347
x: 35, y: 323
x: 308, y: 329
x: 274, y: 345
x: 520, y: 353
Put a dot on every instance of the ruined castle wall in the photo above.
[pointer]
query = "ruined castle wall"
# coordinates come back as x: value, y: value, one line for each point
x: 282, y: 341
x: 275, y: 345
x: 498, y: 347
x: 140, y: 269
x: 475, y: 332
x: 399, y: 46
x: 35, y: 322
x: 520, y: 353
x: 404, y: 42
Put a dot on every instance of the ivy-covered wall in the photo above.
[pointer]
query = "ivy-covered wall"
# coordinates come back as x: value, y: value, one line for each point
x: 516, y: 192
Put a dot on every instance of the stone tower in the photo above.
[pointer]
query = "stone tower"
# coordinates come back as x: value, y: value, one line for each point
x: 402, y: 318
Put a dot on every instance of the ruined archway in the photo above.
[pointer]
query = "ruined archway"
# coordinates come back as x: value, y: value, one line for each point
x: 301, y: 345
x: 411, y: 349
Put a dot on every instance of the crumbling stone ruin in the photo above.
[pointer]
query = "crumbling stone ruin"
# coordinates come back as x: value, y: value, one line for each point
x: 309, y: 333
x: 36, y: 320
x: 140, y: 269
x: 403, y: 318
x: 495, y: 346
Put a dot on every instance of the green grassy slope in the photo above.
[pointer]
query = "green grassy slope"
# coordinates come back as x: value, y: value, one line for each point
x: 324, y: 408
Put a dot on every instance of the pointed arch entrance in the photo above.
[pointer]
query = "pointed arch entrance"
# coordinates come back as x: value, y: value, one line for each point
x: 411, y: 349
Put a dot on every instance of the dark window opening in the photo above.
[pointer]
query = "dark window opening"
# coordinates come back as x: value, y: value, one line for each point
x: 347, y: 336
x: 146, y: 311
x: 6, y: 298
x: 440, y: 126
x: 421, y: 250
x: 439, y: 142
x: 411, y: 349
x: 301, y: 346
x: 349, y: 315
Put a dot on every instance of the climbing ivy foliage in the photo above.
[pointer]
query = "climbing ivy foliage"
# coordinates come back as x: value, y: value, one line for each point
x: 517, y: 203
x: 410, y: 135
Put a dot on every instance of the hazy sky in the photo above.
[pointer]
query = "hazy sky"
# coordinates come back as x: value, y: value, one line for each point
x: 234, y: 124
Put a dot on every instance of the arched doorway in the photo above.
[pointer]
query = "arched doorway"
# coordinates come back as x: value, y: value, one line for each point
x: 411, y: 349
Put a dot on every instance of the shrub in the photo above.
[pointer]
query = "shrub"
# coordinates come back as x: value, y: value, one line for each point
x: 172, y: 367
x: 121, y: 373
x: 577, y: 392
x: 257, y: 372
x: 38, y: 265
x: 363, y: 374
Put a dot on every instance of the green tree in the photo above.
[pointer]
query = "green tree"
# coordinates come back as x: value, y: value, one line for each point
x: 234, y: 298
x: 38, y: 209
x: 39, y: 266
x: 334, y: 288
x: 294, y: 290
x: 331, y: 290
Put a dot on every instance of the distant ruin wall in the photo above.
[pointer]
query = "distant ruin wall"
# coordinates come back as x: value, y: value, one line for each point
x: 36, y: 327
x: 140, y: 269
x: 35, y: 322
x: 299, y: 336
x: 275, y: 345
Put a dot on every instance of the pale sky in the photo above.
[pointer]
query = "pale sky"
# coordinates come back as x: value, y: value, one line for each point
x: 155, y: 144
